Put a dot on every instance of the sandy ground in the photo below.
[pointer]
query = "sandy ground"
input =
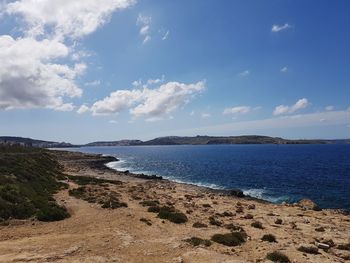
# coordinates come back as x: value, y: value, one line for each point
x: 95, y: 234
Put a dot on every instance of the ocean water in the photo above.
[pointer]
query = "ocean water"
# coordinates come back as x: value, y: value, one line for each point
x: 275, y: 173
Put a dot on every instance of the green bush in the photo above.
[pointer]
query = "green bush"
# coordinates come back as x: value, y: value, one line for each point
x: 269, y: 238
x: 149, y: 203
x: 153, y: 209
x: 230, y: 239
x: 277, y: 256
x: 52, y: 212
x: 199, y: 225
x: 196, y: 241
x: 309, y: 249
x: 257, y: 224
x: 28, y: 180
x: 172, y: 215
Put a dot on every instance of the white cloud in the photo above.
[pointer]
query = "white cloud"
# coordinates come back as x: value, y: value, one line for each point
x: 166, y: 35
x: 284, y: 69
x: 66, y: 18
x: 148, y: 102
x: 29, y: 77
x: 93, y: 83
x: 112, y: 121
x: 192, y: 113
x: 39, y: 68
x: 205, y: 115
x: 244, y: 73
x: 329, y: 108
x: 83, y: 109
x: 237, y: 110
x: 277, y: 28
x: 145, y: 25
x: 283, y: 109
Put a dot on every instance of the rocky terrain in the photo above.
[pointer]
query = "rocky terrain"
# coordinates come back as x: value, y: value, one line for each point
x: 117, y: 217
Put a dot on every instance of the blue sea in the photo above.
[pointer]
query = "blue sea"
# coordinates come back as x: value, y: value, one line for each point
x: 275, y: 173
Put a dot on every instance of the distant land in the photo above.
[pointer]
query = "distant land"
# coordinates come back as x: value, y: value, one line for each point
x: 172, y: 140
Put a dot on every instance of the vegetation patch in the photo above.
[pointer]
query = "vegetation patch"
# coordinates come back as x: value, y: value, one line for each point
x: 230, y: 239
x: 277, y: 256
x: 257, y: 224
x: 146, y: 221
x: 308, y: 249
x: 269, y: 238
x: 196, y: 241
x: 28, y: 180
x: 149, y: 203
x: 85, y: 180
x: 344, y: 246
x: 169, y: 213
x: 213, y: 221
x: 153, y: 209
x: 199, y: 225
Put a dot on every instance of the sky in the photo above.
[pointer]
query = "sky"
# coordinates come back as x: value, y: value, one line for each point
x: 89, y: 70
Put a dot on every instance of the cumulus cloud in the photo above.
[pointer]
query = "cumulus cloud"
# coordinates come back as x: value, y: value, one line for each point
x: 237, y: 110
x: 93, y: 83
x: 277, y: 28
x: 39, y: 68
x: 83, y: 109
x: 148, y: 102
x: 67, y: 18
x: 283, y: 109
x: 145, y: 24
x: 29, y: 78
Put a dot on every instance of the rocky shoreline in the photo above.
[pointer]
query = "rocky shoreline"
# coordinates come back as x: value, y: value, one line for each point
x: 120, y: 217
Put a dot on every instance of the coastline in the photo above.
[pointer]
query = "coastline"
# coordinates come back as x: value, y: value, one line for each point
x: 129, y: 232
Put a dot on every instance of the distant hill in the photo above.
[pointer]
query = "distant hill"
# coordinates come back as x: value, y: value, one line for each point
x: 32, y: 142
x: 171, y: 140
x: 115, y: 143
x: 247, y: 139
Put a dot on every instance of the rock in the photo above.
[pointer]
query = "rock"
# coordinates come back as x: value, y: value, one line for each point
x: 307, y: 204
x: 236, y: 192
x: 251, y: 206
x: 322, y: 245
x: 278, y: 221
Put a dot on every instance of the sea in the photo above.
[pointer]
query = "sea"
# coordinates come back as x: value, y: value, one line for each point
x: 276, y: 173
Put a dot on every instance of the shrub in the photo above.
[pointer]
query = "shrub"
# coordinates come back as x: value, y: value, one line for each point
x: 113, y: 203
x: 52, y: 212
x: 145, y: 220
x: 172, y: 215
x: 278, y: 221
x: 153, y: 209
x: 230, y: 239
x: 77, y: 192
x: 269, y: 238
x: 344, y: 246
x: 309, y: 249
x: 149, y: 203
x: 277, y: 256
x: 199, y: 225
x: 233, y: 227
x: 257, y: 224
x: 196, y: 241
x: 213, y: 221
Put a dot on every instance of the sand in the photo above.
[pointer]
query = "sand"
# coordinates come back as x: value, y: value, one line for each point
x: 96, y: 234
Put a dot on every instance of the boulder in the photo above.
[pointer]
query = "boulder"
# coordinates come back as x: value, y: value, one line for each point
x: 236, y: 192
x: 307, y: 204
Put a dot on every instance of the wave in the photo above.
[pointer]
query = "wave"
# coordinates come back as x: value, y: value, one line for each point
x: 124, y: 165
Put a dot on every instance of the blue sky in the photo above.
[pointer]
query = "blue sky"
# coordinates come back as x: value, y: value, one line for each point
x: 116, y: 69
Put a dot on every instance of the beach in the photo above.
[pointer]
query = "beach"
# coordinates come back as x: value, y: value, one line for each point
x: 128, y: 228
